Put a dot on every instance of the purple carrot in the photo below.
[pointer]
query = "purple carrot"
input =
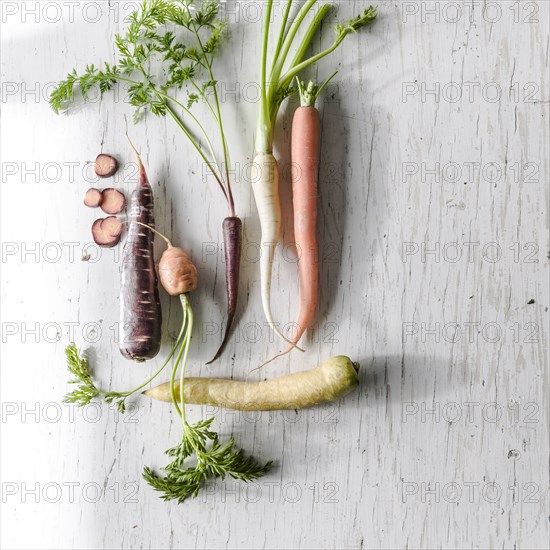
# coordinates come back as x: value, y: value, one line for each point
x: 232, y: 241
x: 140, y: 313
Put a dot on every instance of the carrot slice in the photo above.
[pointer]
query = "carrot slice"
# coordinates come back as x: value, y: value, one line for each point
x: 102, y: 236
x: 93, y: 198
x: 113, y: 202
x: 111, y: 226
x: 106, y: 166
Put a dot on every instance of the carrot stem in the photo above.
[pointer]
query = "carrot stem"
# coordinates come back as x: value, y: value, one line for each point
x: 310, y: 33
x: 265, y: 43
x: 185, y: 329
x: 342, y: 31
x: 197, y: 147
x: 157, y: 233
x: 214, y: 160
x: 186, y: 345
x: 310, y: 94
x: 229, y: 194
x: 140, y: 163
x: 278, y: 63
x: 186, y: 131
x: 282, y: 33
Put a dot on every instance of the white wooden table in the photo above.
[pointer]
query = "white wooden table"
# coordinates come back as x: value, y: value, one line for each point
x: 434, y: 236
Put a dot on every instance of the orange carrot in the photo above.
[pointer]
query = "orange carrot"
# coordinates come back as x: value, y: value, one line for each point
x: 306, y: 138
x: 305, y: 156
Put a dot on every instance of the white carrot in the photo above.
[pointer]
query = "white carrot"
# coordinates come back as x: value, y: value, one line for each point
x: 330, y: 381
x: 266, y: 193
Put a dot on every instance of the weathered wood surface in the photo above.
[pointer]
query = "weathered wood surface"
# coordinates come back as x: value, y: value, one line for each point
x: 435, y: 136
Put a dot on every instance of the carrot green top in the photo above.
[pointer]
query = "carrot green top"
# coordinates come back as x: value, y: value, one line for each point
x: 153, y: 40
x: 276, y: 85
x: 310, y: 93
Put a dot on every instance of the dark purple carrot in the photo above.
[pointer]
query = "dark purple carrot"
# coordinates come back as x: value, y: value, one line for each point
x: 140, y: 313
x: 232, y: 241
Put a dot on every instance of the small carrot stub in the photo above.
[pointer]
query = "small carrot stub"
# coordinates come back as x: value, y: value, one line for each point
x: 177, y: 273
x: 106, y: 166
x: 331, y: 381
x: 93, y: 198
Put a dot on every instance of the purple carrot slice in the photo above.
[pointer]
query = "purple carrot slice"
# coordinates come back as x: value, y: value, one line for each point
x: 106, y: 166
x: 114, y: 202
x: 112, y: 226
x: 93, y: 198
x: 102, y: 234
